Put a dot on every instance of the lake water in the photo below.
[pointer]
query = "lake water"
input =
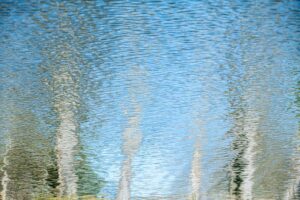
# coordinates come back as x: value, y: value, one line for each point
x: 150, y: 100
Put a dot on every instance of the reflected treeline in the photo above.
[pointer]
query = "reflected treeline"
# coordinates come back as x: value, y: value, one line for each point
x: 261, y: 125
x: 244, y: 120
x: 293, y: 190
x: 244, y: 132
x: 236, y: 168
x: 60, y: 168
x: 65, y: 67
x: 66, y: 64
x: 25, y: 149
x: 26, y: 160
x: 25, y: 136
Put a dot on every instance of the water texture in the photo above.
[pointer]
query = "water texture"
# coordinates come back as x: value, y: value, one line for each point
x: 150, y: 100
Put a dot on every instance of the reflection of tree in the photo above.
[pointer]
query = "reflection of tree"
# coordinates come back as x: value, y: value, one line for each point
x: 2, y: 154
x: 244, y: 131
x: 26, y: 160
x: 132, y: 138
x: 238, y: 112
x: 238, y: 163
x: 255, y: 97
x: 52, y: 179
x: 1, y: 176
x: 65, y: 36
x: 132, y: 135
x: 297, y: 184
x: 89, y: 182
x: 293, y: 190
x: 196, y: 171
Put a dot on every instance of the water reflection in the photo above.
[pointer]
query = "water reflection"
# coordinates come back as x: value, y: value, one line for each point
x: 132, y: 137
x: 196, y: 169
x: 149, y: 100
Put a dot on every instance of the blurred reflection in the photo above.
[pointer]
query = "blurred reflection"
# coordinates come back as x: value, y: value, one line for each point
x: 149, y: 100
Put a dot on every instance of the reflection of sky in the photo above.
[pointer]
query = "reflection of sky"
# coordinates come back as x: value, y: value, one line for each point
x: 176, y: 78
x: 182, y: 50
x: 181, y: 55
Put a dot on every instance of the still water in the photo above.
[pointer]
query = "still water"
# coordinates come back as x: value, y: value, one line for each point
x: 153, y: 100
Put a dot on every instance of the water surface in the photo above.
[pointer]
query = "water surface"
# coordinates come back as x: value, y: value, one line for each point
x: 150, y: 99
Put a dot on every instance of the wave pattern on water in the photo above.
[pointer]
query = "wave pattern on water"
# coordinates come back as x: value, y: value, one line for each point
x: 149, y: 99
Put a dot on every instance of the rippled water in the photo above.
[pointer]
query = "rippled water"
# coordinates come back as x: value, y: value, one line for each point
x: 150, y: 100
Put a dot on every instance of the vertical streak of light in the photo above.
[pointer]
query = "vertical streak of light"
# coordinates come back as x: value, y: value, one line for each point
x: 66, y: 141
x: 124, y: 187
x: 66, y: 136
x: 132, y: 135
x: 132, y: 139
x: 250, y: 129
x: 5, y: 178
x: 196, y: 172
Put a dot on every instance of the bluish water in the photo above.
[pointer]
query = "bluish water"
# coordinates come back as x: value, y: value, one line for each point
x: 150, y: 99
